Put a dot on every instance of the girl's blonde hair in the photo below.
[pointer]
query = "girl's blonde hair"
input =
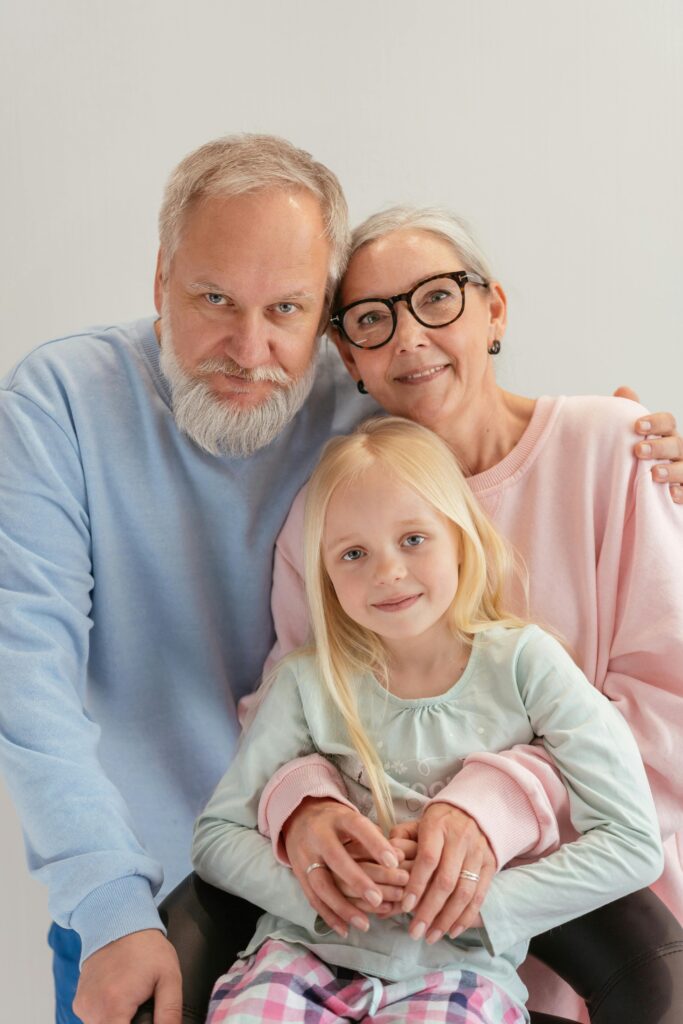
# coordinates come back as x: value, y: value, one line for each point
x: 346, y: 650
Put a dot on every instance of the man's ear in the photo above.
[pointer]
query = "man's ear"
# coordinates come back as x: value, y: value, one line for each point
x: 159, y: 282
x: 346, y: 352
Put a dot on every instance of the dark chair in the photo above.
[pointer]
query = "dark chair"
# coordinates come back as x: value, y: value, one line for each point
x: 625, y: 960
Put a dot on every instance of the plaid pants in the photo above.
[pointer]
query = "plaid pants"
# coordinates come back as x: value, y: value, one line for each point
x: 287, y: 983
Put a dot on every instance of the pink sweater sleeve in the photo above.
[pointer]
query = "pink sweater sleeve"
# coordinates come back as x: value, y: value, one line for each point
x: 644, y: 675
x: 516, y: 796
x: 288, y: 597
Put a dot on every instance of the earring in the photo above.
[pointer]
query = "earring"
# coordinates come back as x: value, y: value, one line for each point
x: 494, y: 348
x: 361, y: 387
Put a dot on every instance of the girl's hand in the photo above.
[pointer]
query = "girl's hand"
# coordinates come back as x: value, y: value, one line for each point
x: 390, y: 882
x: 440, y: 899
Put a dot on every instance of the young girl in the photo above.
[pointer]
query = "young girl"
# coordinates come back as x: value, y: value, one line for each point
x: 416, y: 664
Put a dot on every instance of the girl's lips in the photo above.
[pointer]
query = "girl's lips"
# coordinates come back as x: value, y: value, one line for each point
x: 397, y: 604
x: 422, y: 376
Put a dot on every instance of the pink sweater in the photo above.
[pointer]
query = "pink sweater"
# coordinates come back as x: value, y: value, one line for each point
x: 604, y: 549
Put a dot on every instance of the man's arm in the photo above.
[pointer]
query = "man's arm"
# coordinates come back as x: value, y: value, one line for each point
x: 78, y: 833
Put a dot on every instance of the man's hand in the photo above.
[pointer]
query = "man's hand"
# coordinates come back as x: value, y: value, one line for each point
x: 316, y: 833
x: 441, y: 901
x: 663, y: 442
x: 122, y: 975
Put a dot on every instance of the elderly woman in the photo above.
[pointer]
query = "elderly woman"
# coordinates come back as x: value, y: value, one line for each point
x: 419, y: 322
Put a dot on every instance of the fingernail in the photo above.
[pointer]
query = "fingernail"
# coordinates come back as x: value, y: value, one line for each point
x: 645, y: 449
x: 418, y: 930
x: 360, y: 923
x: 434, y: 936
x: 677, y: 494
x: 457, y: 931
x: 644, y: 425
x: 341, y: 931
x: 408, y: 903
x: 390, y: 860
x: 373, y: 897
x: 661, y: 473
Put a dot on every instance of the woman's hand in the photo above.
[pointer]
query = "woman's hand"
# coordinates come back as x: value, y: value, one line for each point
x: 317, y: 833
x: 440, y: 899
x: 663, y: 442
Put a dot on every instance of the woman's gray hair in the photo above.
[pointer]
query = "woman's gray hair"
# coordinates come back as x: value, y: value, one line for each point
x: 240, y: 164
x: 439, y: 222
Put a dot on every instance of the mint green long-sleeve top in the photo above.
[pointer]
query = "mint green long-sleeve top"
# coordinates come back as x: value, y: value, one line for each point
x: 519, y: 684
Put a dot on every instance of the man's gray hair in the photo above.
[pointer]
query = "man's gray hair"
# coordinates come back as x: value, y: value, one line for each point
x: 438, y: 221
x: 239, y: 164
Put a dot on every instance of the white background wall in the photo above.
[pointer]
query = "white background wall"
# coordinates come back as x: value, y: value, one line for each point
x: 555, y: 127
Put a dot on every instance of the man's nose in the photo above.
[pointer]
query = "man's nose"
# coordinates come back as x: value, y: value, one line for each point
x: 247, y: 340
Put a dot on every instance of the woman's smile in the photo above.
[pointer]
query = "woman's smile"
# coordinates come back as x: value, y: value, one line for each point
x: 422, y: 375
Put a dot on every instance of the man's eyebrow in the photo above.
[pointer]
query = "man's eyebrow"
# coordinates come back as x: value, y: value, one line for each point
x: 284, y: 293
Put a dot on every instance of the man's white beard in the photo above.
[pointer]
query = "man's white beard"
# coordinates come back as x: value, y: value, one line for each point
x: 216, y: 424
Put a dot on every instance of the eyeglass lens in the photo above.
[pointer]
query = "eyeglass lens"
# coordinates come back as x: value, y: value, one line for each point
x: 435, y: 304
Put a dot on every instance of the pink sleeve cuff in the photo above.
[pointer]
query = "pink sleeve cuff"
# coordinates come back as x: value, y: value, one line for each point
x: 508, y: 804
x: 311, y: 776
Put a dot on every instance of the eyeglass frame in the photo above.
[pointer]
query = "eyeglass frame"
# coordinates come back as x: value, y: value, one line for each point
x: 461, y: 278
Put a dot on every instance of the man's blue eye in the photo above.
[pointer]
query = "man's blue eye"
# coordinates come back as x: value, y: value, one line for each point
x: 215, y: 298
x: 286, y: 307
x: 353, y: 555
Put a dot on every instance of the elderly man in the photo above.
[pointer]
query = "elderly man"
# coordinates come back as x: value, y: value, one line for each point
x: 146, y: 470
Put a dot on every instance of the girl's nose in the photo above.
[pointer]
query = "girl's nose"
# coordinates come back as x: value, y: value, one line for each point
x: 389, y: 570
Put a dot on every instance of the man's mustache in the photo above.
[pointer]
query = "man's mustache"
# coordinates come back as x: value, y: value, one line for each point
x: 272, y: 374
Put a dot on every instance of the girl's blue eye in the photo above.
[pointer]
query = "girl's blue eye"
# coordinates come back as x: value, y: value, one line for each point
x: 353, y: 555
x: 414, y: 540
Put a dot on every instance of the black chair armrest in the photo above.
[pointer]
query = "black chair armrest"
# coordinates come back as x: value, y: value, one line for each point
x: 208, y: 928
x: 625, y: 960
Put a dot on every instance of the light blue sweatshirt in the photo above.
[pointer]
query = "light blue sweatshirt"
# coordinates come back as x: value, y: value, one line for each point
x: 135, y: 575
x: 518, y: 684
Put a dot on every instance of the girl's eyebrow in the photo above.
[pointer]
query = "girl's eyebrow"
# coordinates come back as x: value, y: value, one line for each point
x: 403, y: 524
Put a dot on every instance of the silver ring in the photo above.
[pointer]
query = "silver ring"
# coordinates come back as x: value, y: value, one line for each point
x: 313, y: 866
x: 471, y: 876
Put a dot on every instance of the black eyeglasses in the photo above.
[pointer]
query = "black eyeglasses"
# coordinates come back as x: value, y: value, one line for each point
x: 435, y: 302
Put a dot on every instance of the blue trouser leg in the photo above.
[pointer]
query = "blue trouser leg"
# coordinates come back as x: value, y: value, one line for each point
x: 66, y: 950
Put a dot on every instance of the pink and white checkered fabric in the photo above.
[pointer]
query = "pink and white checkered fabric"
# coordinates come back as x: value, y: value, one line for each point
x: 287, y: 983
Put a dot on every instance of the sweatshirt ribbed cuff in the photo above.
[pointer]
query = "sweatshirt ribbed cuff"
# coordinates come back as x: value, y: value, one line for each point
x: 312, y: 777
x: 113, y: 910
x: 499, y: 806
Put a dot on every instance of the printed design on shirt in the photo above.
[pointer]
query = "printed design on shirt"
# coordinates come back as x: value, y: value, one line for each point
x: 413, y: 781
